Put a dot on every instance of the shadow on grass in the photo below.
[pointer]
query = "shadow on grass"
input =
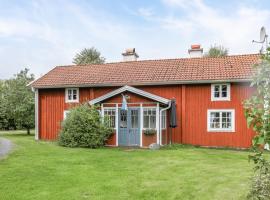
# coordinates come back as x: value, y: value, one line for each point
x: 187, y: 146
x: 17, y: 133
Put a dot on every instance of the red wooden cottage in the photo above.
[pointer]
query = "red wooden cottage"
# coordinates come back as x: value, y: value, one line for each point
x: 208, y: 93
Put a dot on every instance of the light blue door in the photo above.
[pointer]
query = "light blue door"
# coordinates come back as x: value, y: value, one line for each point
x: 129, y: 127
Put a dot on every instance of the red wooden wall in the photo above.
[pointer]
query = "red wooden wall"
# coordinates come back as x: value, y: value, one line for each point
x: 198, y: 100
x: 192, y: 102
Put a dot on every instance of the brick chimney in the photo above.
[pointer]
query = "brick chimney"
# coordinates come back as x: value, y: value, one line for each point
x: 130, y: 55
x: 195, y: 51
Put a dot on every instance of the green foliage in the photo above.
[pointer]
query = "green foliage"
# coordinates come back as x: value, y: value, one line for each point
x: 149, y: 132
x: 217, y: 51
x: 260, y: 188
x: 17, y: 108
x: 83, y: 127
x: 88, y: 56
x: 257, y: 113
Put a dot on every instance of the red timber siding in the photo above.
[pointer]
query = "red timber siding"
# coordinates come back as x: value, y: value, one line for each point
x: 192, y: 102
x: 198, y: 100
x: 52, y: 106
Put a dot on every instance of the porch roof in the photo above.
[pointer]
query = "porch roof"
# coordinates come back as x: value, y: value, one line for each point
x: 133, y: 90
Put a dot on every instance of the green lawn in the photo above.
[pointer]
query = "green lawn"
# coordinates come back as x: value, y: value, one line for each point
x: 43, y: 170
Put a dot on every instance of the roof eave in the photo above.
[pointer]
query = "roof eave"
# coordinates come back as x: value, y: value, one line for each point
x: 144, y: 83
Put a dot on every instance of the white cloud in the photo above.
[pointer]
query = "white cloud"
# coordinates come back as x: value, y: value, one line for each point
x: 145, y: 12
x: 234, y: 30
x: 41, y: 39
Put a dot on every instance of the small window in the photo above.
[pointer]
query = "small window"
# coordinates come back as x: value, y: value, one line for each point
x: 66, y: 112
x: 149, y: 118
x: 220, y: 92
x: 163, y: 120
x: 220, y: 121
x: 72, y: 95
x: 109, y: 113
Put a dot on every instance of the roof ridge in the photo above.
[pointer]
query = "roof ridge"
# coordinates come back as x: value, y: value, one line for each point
x: 161, y: 59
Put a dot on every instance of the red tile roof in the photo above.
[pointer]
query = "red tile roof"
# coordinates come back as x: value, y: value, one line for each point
x: 164, y: 71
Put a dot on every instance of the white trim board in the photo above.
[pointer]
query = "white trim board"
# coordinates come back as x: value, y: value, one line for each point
x: 130, y: 89
x: 232, y: 129
x: 213, y: 98
x: 36, y: 115
x: 73, y: 100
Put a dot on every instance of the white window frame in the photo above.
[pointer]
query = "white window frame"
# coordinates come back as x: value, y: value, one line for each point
x: 110, y: 108
x: 65, y: 114
x: 72, y: 100
x: 147, y: 108
x: 232, y: 129
x: 213, y: 98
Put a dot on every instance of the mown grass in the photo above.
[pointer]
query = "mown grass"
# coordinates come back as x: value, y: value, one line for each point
x: 44, y: 170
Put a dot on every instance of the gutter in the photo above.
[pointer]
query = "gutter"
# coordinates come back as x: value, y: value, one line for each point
x: 160, y: 125
x: 145, y: 83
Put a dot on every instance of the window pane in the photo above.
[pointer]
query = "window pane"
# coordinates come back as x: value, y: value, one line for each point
x: 215, y: 120
x: 152, y: 121
x: 74, y: 94
x: 69, y: 94
x: 163, y: 120
x: 145, y: 122
x: 123, y: 119
x: 134, y: 119
x: 216, y: 91
x: 224, y: 90
x: 149, y: 118
x: 109, y: 113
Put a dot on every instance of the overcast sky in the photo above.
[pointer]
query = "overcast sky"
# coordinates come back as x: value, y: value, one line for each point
x: 42, y: 34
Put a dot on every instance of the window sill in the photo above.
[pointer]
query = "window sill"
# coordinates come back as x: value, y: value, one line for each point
x: 221, y: 131
x: 75, y: 101
x: 221, y: 99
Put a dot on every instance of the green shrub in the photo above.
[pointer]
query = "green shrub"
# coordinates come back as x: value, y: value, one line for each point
x: 260, y: 185
x: 83, y: 127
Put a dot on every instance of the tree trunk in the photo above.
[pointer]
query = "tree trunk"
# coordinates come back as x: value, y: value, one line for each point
x: 28, y: 131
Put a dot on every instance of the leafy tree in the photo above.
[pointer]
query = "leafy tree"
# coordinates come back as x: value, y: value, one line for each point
x: 217, y: 51
x: 257, y: 112
x: 17, y: 107
x: 3, y: 114
x: 83, y: 127
x: 88, y: 56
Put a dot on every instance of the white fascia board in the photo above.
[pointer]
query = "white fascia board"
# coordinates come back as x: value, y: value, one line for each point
x: 147, y: 83
x: 130, y: 89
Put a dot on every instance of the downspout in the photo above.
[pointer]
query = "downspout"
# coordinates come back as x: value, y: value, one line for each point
x: 160, y: 118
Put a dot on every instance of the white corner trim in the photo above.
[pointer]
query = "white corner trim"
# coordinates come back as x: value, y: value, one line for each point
x: 133, y: 90
x: 157, y: 124
x: 228, y: 98
x: 72, y: 101
x: 116, y: 124
x: 209, y: 129
x: 141, y: 125
x: 36, y: 114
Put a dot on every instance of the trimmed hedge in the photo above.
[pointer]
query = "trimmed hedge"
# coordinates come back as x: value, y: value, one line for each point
x: 83, y: 127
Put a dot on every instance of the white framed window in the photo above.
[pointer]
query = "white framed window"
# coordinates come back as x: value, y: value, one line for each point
x: 72, y: 95
x: 149, y: 118
x: 110, y: 114
x: 163, y: 120
x: 221, y: 120
x: 66, y: 112
x: 221, y: 92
